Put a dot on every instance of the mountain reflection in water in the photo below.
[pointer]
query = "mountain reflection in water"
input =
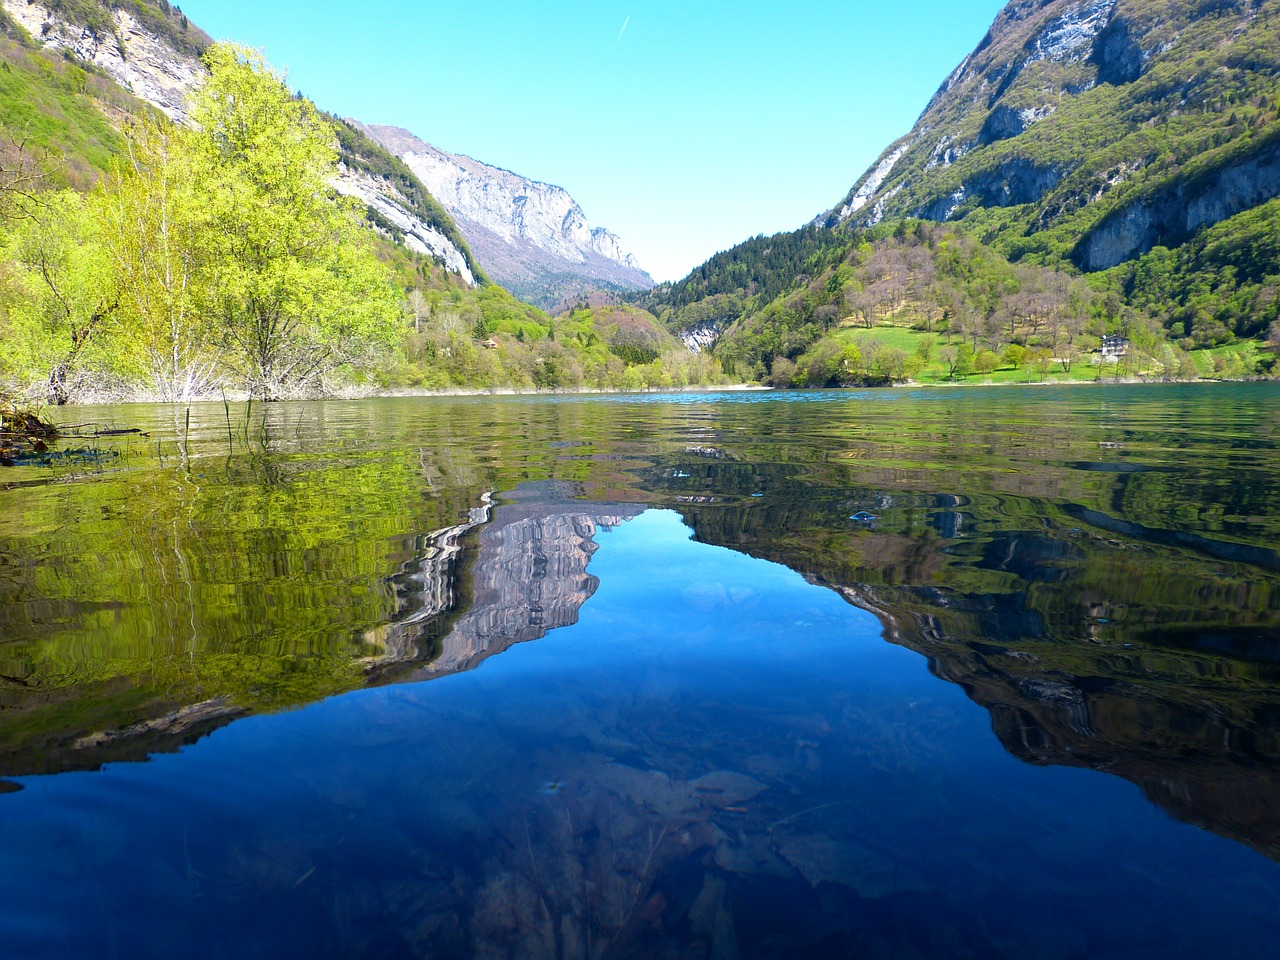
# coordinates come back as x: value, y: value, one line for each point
x: 794, y: 787
x: 1162, y: 670
x: 530, y: 574
x: 709, y: 751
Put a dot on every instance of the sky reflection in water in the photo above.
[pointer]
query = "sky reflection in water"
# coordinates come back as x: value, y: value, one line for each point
x: 718, y: 759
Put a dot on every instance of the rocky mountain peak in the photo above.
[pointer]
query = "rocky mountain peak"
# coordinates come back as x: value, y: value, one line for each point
x: 1076, y: 116
x: 531, y: 237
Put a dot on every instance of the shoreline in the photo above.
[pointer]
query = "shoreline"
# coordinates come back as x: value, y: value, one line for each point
x: 89, y: 399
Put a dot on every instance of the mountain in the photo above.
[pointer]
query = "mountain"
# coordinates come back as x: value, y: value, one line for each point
x: 1134, y: 142
x: 531, y: 237
x: 1093, y: 130
x: 149, y: 49
x: 152, y: 51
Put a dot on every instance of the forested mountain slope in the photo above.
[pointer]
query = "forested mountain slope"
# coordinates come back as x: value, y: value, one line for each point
x: 1094, y: 128
x: 1132, y: 141
x: 1107, y: 132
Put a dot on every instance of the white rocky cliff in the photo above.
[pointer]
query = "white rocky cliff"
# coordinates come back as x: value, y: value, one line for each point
x: 144, y: 64
x: 416, y: 234
x: 531, y: 237
x: 528, y: 577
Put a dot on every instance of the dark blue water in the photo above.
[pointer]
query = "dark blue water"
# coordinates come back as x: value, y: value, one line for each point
x: 718, y: 759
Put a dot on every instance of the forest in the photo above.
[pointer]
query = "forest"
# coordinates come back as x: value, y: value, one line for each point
x: 917, y: 300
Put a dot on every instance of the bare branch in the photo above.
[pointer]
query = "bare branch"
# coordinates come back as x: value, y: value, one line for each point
x: 22, y: 178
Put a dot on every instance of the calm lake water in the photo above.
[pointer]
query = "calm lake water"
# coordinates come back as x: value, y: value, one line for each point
x: 889, y: 674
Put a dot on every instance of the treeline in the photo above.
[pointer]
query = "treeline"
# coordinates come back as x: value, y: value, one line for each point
x: 483, y: 337
x: 984, y: 311
x: 760, y: 268
x: 911, y: 274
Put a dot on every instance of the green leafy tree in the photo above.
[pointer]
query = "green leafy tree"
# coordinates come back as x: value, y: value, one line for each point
x: 159, y: 237
x: 296, y: 289
x: 1015, y: 355
x: 66, y: 295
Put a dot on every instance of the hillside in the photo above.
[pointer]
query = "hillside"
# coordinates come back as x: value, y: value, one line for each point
x: 68, y: 120
x: 1115, y: 163
x: 1096, y: 132
x: 531, y: 237
x: 910, y: 299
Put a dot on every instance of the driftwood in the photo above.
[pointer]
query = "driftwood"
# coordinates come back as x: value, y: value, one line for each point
x: 22, y: 433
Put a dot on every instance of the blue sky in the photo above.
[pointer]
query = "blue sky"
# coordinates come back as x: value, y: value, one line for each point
x: 683, y: 127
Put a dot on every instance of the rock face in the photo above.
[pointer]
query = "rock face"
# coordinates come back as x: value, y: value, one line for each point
x: 414, y: 232
x: 140, y: 61
x: 528, y: 579
x: 702, y: 336
x: 1175, y: 212
x: 531, y: 237
x: 1056, y: 113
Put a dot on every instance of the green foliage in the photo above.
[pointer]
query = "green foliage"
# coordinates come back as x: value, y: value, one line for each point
x: 224, y: 261
x: 292, y: 283
x: 63, y: 295
x: 908, y: 274
x: 756, y: 270
x: 459, y: 337
x: 209, y: 253
x: 1199, y: 100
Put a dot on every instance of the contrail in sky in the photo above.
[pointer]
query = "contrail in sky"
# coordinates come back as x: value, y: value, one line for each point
x: 624, y: 26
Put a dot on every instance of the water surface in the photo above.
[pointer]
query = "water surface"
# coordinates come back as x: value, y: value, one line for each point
x: 621, y: 677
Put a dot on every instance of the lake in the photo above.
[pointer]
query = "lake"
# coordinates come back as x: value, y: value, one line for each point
x: 974, y: 672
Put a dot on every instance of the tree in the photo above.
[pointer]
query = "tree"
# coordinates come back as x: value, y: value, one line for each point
x: 950, y: 357
x: 1015, y: 355
x: 296, y: 290
x: 782, y: 372
x: 21, y: 180
x: 159, y: 239
x: 67, y: 294
x: 419, y: 309
x: 924, y: 347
